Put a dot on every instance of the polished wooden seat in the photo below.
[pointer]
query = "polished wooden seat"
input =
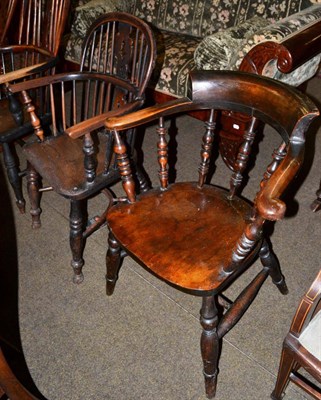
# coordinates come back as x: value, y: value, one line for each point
x: 75, y: 157
x: 302, y: 346
x: 199, y: 237
x: 29, y: 43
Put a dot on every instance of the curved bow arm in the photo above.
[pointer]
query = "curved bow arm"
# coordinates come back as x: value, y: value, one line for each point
x: 268, y: 202
x: 67, y: 77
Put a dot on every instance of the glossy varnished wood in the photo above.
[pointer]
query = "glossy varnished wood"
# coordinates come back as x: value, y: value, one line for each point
x: 29, y: 46
x: 75, y: 156
x: 294, y: 355
x: 182, y: 215
x: 199, y: 237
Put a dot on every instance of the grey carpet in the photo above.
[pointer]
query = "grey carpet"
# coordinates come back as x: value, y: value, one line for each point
x: 143, y: 342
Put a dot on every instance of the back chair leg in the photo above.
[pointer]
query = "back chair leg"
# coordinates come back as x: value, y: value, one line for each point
x: 33, y: 186
x: 13, y: 176
x: 77, y: 241
x: 113, y: 261
x: 270, y: 261
x: 287, y: 364
x: 210, y: 344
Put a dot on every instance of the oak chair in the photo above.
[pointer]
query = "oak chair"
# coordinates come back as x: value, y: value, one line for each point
x: 75, y: 158
x: 198, y: 237
x: 302, y: 346
x: 29, y: 50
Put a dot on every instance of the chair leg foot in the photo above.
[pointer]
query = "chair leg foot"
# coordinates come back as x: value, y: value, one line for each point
x: 269, y: 260
x: 316, y: 205
x: 113, y: 261
x: 13, y: 175
x: 210, y: 344
x: 77, y: 242
x: 287, y: 365
x: 33, y: 186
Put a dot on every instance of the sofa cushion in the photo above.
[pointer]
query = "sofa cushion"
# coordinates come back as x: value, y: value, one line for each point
x: 86, y: 14
x: 205, y: 17
x: 175, y: 59
x: 216, y: 51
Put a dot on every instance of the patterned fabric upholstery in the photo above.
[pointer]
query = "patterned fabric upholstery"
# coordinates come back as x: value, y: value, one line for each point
x: 204, y: 17
x: 204, y: 34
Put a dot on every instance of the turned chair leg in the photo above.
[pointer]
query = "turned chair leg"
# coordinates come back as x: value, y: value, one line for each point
x: 269, y: 260
x: 13, y: 175
x: 316, y: 205
x: 33, y: 186
x: 113, y: 260
x: 287, y: 364
x: 76, y: 238
x: 210, y: 344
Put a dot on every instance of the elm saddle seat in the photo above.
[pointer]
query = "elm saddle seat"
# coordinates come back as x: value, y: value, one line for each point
x: 198, y: 237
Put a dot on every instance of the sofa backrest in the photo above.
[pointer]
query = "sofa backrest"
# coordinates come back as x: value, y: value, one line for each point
x: 205, y: 17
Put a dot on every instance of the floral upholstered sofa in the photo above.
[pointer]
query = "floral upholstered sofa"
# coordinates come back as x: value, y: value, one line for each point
x: 206, y: 34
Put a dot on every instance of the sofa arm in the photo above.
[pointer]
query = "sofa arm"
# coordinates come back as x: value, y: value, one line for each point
x: 86, y: 14
x: 216, y: 51
x: 260, y: 45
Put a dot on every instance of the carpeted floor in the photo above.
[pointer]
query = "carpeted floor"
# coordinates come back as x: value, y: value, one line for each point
x: 143, y: 342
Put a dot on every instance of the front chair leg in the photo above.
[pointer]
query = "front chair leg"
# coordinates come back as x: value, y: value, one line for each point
x: 113, y: 260
x: 210, y: 344
x: 287, y: 365
x: 33, y: 186
x: 77, y: 241
x: 13, y: 176
x: 269, y: 260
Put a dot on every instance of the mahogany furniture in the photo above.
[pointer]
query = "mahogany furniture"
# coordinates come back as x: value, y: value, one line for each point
x: 29, y: 49
x: 302, y: 346
x: 199, y: 237
x: 75, y: 158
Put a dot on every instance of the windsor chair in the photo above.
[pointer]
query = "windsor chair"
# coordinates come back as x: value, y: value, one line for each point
x: 199, y: 237
x: 75, y: 158
x: 302, y: 345
x: 29, y: 50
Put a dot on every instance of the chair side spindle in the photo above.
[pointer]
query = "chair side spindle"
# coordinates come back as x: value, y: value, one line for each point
x: 206, y: 150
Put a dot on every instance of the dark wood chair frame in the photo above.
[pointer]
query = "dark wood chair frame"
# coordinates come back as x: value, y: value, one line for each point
x: 294, y: 355
x: 263, y: 99
x: 118, y: 88
x: 32, y: 52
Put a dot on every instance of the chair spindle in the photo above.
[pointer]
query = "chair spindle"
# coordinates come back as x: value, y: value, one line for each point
x: 162, y: 150
x: 206, y: 150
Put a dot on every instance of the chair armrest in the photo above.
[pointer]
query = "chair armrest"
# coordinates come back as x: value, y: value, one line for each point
x: 97, y: 122
x: 24, y: 72
x: 288, y: 50
x: 149, y: 114
x: 67, y: 77
x: 268, y: 202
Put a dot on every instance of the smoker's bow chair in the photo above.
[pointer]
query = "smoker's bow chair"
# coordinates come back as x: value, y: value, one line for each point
x: 29, y: 50
x: 302, y: 346
x: 75, y: 158
x: 199, y: 237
